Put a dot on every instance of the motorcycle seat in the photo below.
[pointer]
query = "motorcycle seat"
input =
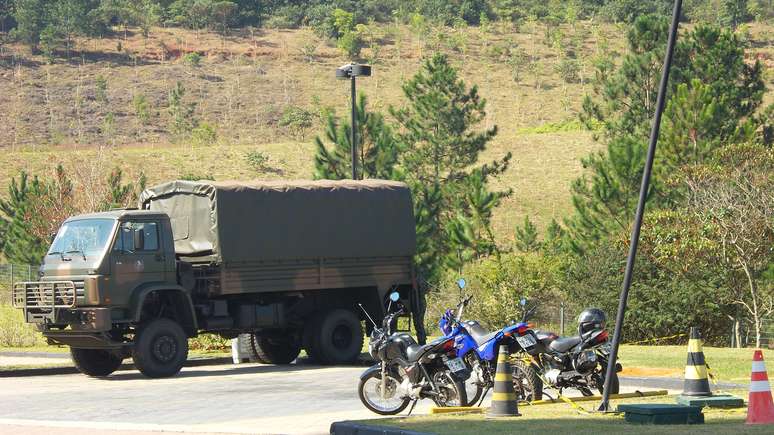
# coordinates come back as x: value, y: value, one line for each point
x: 564, y: 344
x: 479, y: 334
x: 545, y: 337
x: 414, y: 351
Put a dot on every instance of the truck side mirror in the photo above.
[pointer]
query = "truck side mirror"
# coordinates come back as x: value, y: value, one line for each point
x: 139, y: 239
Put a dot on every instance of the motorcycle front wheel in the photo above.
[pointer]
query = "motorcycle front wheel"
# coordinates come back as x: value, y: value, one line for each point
x: 370, y: 391
x: 526, y: 382
x: 451, y: 390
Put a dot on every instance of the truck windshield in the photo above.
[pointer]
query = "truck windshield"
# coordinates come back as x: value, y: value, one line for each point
x: 87, y: 237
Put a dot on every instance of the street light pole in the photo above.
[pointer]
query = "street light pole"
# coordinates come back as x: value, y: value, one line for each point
x: 604, y: 406
x: 354, y: 130
x: 351, y: 71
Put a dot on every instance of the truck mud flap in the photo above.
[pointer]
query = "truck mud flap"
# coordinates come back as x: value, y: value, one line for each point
x: 83, y: 340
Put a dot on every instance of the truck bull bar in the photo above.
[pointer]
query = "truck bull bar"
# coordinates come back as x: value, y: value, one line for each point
x: 39, y: 300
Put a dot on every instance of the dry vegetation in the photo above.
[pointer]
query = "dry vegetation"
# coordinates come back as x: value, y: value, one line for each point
x: 56, y: 112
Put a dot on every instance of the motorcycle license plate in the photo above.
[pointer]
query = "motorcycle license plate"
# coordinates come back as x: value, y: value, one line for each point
x: 455, y: 365
x: 526, y: 340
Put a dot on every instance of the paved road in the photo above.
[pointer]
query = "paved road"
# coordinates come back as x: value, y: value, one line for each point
x: 250, y: 398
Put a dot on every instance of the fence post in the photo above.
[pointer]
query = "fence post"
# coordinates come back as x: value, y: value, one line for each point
x: 561, y: 318
x: 10, y: 286
x: 29, y: 272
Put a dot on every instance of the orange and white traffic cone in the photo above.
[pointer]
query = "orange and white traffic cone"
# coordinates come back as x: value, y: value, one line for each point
x: 760, y: 407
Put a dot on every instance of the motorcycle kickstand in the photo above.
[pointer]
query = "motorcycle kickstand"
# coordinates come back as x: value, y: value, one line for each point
x: 483, y: 396
x: 413, y: 404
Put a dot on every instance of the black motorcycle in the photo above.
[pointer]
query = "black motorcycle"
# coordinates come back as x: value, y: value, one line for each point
x: 408, y: 371
x: 578, y: 362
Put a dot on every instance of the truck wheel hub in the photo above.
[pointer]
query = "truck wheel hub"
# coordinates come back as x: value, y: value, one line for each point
x: 342, y: 337
x: 165, y: 348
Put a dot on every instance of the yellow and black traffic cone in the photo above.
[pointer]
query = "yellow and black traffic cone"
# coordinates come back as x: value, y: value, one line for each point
x: 696, y: 381
x: 504, y: 403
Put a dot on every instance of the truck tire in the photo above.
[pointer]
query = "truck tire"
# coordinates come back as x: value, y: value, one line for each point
x: 160, y: 348
x: 336, y: 337
x: 276, y: 351
x: 96, y: 363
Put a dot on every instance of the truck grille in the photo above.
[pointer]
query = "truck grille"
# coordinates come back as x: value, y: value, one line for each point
x: 46, y: 294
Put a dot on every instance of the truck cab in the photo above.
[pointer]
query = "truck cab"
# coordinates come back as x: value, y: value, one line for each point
x: 93, y: 286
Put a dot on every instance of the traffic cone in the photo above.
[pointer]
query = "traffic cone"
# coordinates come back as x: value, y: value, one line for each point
x: 760, y: 408
x: 696, y: 382
x: 504, y: 403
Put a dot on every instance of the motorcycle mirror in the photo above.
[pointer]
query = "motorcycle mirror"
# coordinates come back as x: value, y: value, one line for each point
x: 394, y: 296
x: 461, y: 283
x: 523, y: 301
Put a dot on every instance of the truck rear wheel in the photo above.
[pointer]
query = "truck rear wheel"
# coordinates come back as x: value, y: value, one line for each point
x: 334, y: 337
x: 96, y: 363
x: 160, y: 348
x: 272, y: 350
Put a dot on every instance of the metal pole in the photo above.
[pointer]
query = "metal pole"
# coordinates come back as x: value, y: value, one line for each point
x: 605, y: 405
x: 561, y: 318
x: 354, y: 131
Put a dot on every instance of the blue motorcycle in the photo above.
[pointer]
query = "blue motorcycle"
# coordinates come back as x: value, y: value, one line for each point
x: 479, y: 348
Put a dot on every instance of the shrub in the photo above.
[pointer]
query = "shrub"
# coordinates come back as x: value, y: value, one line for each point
x: 569, y: 70
x: 14, y: 332
x: 296, y: 119
x: 192, y: 59
x: 209, y: 343
x: 192, y: 176
x: 350, y: 44
x: 141, y: 108
x: 204, y: 134
x: 256, y: 159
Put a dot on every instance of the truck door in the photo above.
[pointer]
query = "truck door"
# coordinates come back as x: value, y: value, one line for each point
x: 138, y: 256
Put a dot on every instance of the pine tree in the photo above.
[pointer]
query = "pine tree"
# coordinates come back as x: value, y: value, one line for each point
x: 377, y: 148
x: 441, y: 147
x: 30, y: 17
x: 527, y: 237
x: 727, y: 92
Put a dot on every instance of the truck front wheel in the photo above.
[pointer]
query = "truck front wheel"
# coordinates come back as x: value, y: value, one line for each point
x: 272, y: 350
x: 335, y: 337
x: 96, y: 363
x: 160, y: 348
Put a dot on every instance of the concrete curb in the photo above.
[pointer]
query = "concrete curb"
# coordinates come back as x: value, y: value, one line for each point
x: 351, y: 428
x: 48, y: 371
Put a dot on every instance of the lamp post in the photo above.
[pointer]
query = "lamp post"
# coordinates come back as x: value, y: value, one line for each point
x: 351, y: 71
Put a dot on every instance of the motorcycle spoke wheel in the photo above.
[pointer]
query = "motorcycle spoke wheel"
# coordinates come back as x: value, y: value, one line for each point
x: 390, y: 402
x: 450, y: 392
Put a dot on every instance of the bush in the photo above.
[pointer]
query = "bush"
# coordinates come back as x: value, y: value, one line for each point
x: 204, y: 134
x: 209, y: 343
x: 256, y: 159
x: 350, y: 44
x: 193, y: 176
x: 192, y: 59
x: 296, y: 119
x: 569, y: 70
x: 497, y: 286
x: 286, y: 17
x: 14, y: 332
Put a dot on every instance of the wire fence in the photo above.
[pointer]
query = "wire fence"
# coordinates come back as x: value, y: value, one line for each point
x: 11, y: 273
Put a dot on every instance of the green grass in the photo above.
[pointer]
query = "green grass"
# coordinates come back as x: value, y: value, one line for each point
x: 561, y: 419
x: 729, y: 365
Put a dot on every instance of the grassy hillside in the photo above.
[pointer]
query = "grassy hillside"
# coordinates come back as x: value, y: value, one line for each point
x: 83, y: 112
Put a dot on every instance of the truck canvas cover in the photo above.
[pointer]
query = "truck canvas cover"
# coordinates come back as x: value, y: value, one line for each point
x: 276, y: 220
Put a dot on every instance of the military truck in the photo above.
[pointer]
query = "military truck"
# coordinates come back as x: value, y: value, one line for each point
x: 288, y: 262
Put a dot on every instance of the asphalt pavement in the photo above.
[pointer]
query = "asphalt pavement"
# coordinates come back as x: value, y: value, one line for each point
x: 247, y: 398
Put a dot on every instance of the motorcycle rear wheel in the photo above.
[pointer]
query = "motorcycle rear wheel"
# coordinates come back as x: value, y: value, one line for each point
x: 526, y: 382
x: 369, y: 391
x: 453, y: 391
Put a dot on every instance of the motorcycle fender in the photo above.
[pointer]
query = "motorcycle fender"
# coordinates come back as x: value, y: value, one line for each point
x: 374, y: 368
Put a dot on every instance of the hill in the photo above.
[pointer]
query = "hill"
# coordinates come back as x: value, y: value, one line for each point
x: 262, y: 93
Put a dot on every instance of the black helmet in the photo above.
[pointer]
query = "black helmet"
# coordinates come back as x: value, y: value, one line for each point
x: 591, y: 319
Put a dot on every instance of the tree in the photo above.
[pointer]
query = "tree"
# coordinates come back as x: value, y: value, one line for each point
x: 377, y: 147
x: 69, y: 18
x: 527, y: 236
x: 734, y: 12
x: 441, y: 148
x: 183, y: 119
x: 725, y: 95
x: 30, y: 18
x: 735, y: 195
